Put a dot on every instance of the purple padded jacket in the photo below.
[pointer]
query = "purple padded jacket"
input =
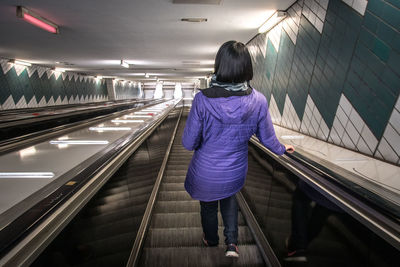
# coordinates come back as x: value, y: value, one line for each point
x: 218, y: 129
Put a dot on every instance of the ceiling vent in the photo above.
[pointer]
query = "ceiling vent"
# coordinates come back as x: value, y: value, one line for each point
x: 194, y: 19
x: 198, y: 2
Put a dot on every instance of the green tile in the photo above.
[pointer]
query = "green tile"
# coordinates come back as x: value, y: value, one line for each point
x: 366, y: 38
x: 381, y: 50
x: 391, y: 80
x: 370, y: 21
x: 386, y: 33
x: 394, y: 2
x: 376, y: 7
x: 391, y: 15
x: 394, y: 61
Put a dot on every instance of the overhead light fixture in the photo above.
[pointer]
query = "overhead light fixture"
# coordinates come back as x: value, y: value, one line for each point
x: 110, y: 129
x: 26, y: 175
x: 20, y: 62
x: 277, y: 17
x: 146, y: 75
x: 126, y: 121
x: 58, y: 70
x: 79, y: 142
x: 37, y: 20
x: 99, y: 77
x: 124, y: 64
x: 137, y: 116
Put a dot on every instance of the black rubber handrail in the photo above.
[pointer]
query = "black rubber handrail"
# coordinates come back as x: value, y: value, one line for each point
x: 327, y: 183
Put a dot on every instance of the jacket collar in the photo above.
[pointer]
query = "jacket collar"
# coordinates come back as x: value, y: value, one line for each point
x: 215, y: 92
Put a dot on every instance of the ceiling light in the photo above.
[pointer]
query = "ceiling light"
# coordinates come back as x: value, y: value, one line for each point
x: 79, y: 142
x: 124, y: 64
x: 99, y: 77
x: 58, y: 70
x: 20, y: 62
x: 194, y: 19
x: 37, y: 20
x: 277, y: 17
x: 146, y: 75
x: 26, y: 175
x: 137, y: 116
x: 126, y: 121
x: 109, y: 128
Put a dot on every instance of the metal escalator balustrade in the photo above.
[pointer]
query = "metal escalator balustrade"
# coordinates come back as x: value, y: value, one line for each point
x: 103, y: 232
x: 336, y: 238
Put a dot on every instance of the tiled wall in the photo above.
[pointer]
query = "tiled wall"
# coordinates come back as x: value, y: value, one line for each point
x: 331, y: 70
x: 35, y: 86
x: 127, y: 90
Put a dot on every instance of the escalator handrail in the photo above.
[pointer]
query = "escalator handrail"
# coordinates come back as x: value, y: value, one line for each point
x: 134, y: 256
x: 326, y: 183
x: 56, y: 207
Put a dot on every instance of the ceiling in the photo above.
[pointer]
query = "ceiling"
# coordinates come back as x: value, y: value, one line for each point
x: 148, y: 34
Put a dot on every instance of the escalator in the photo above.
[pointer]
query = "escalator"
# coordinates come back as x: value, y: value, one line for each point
x: 106, y: 229
x: 175, y: 232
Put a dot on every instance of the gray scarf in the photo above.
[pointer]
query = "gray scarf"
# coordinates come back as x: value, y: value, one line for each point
x: 235, y: 87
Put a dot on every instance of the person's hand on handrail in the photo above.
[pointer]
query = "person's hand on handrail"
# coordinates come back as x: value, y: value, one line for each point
x: 289, y: 148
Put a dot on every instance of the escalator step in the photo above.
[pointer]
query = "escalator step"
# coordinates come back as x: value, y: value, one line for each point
x: 177, y: 206
x: 174, y: 195
x: 200, y: 256
x: 190, y: 236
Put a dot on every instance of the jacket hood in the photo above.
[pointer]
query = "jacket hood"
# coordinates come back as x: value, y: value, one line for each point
x: 231, y: 109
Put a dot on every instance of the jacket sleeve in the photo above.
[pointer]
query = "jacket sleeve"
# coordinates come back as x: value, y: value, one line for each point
x: 266, y: 133
x: 191, y: 138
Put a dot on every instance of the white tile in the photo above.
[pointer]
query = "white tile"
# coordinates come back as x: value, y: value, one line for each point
x: 357, y: 121
x: 42, y: 102
x: 32, y: 103
x: 346, y: 105
x: 319, y: 25
x: 58, y: 101
x: 321, y: 135
x: 324, y: 128
x: 349, y: 2
x: 362, y: 147
x: 324, y: 3
x: 321, y: 13
x: 312, y: 17
x: 360, y: 6
x: 395, y: 120
x: 387, y: 152
x: 21, y: 103
x: 9, y: 103
x: 50, y: 102
x: 338, y: 127
x: 393, y: 138
x: 342, y: 116
x: 347, y: 141
x: 315, y: 124
x: 317, y: 115
x: 314, y: 7
x: 398, y: 104
x: 352, y: 132
x: 369, y: 138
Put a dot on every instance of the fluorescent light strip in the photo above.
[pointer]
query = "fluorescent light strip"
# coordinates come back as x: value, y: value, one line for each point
x: 124, y: 64
x: 19, y: 62
x: 47, y: 175
x: 138, y: 116
x: 124, y: 121
x: 79, y: 142
x: 110, y: 128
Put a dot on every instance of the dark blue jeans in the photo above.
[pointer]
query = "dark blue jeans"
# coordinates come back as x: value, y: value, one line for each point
x: 209, y: 220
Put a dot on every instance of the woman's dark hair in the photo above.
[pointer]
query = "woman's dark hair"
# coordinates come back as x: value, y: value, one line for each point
x: 233, y: 63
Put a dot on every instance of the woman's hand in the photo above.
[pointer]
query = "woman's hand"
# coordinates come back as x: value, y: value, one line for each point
x: 289, y: 148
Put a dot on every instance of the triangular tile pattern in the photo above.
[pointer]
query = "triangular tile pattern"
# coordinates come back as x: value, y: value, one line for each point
x: 33, y: 103
x: 58, y: 101
x: 9, y: 103
x: 5, y: 65
x: 57, y: 74
x: 41, y: 71
x: 19, y: 69
x: 315, y: 12
x: 51, y: 101
x: 274, y: 36
x: 312, y: 123
x: 358, y: 5
x: 389, y: 145
x: 292, y: 22
x: 276, y: 116
x: 42, y: 102
x: 289, y: 117
x: 349, y: 129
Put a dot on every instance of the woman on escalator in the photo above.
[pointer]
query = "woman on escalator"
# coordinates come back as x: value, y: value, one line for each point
x: 220, y: 124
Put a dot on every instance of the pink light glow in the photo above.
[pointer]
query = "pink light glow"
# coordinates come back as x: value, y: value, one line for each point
x: 39, y: 23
